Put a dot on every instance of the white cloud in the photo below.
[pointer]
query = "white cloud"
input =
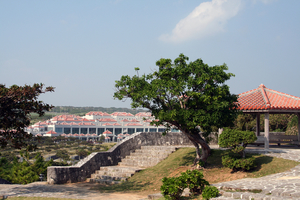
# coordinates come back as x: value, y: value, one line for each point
x: 206, y: 19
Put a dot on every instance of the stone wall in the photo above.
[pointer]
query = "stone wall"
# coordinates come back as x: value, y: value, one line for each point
x: 87, y: 166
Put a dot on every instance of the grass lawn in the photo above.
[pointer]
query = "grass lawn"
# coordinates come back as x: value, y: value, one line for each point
x: 148, y: 181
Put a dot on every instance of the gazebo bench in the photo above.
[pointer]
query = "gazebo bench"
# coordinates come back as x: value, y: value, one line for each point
x: 279, y: 139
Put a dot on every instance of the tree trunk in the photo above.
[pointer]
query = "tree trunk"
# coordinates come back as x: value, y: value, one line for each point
x: 196, y: 140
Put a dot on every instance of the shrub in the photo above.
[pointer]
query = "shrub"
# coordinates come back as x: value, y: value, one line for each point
x: 81, y: 152
x: 236, y: 164
x: 194, y: 180
x: 172, y: 188
x: 63, y: 154
x: 237, y: 141
x: 210, y: 192
x: 24, y: 172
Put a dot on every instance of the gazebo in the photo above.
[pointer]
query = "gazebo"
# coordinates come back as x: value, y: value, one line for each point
x: 265, y: 101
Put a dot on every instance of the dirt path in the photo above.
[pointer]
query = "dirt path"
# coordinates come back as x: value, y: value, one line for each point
x: 75, y: 190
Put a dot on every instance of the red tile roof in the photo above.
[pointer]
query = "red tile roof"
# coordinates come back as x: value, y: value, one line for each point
x: 107, y: 124
x: 107, y: 120
x: 263, y: 98
x: 121, y: 114
x: 107, y: 132
x: 143, y: 114
x: 51, y: 132
x: 133, y: 124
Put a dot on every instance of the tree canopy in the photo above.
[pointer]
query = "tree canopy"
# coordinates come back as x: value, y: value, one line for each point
x: 16, y: 104
x: 187, y: 96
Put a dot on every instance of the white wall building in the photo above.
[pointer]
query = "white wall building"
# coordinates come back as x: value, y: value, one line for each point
x: 95, y: 124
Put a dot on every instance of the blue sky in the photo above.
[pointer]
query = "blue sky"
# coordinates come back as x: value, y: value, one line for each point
x: 82, y: 47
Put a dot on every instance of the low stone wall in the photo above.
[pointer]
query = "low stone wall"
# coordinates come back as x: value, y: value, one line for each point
x: 87, y: 166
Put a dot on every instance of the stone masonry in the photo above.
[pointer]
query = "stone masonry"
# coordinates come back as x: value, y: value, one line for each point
x: 83, y: 170
x: 147, y: 156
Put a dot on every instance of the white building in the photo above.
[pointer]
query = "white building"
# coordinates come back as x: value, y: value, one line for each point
x: 95, y: 124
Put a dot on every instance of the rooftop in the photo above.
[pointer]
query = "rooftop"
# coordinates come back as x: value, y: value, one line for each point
x: 263, y: 98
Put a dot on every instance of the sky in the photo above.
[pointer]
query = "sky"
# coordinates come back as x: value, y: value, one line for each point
x: 82, y: 47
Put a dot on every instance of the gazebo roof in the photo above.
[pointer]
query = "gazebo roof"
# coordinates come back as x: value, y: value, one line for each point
x: 263, y: 98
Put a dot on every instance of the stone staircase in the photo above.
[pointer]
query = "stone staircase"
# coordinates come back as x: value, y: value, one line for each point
x: 147, y: 156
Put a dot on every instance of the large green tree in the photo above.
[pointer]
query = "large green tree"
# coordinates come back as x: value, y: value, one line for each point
x: 16, y: 104
x: 191, y: 97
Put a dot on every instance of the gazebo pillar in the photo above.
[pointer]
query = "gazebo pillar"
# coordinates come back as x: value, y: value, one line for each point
x: 267, y: 131
x: 257, y: 124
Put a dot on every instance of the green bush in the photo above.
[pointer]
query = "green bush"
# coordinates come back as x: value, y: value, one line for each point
x: 194, y: 180
x: 237, y: 164
x: 210, y: 192
x: 82, y: 152
x: 237, y: 141
x: 23, y: 172
x: 63, y: 154
x: 173, y: 187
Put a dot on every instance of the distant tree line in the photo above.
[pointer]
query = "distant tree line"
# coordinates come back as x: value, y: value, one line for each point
x: 84, y: 110
x: 81, y: 111
x: 278, y: 123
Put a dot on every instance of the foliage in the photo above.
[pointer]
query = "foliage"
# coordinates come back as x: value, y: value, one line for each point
x: 84, y: 110
x: 245, y: 122
x: 236, y: 140
x: 292, y: 127
x: 173, y: 187
x: 23, y: 172
x: 210, y: 192
x: 16, y: 104
x: 194, y: 180
x: 237, y: 164
x: 101, y: 139
x: 183, y: 95
x: 63, y: 154
x: 277, y: 122
x: 82, y: 152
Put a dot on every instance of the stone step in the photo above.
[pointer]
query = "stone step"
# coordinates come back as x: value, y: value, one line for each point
x: 114, y: 174
x: 147, y: 156
x: 144, y: 157
x: 110, y: 178
x: 102, y: 181
x: 154, y: 152
x: 140, y: 163
x: 120, y: 169
x: 159, y: 147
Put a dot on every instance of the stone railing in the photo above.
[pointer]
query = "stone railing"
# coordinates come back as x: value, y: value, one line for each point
x: 83, y: 169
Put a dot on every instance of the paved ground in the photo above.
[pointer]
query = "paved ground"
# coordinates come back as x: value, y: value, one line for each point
x: 279, y: 186
x: 75, y: 191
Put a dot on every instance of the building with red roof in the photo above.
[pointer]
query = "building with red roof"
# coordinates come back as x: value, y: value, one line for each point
x: 263, y: 100
x: 94, y: 124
